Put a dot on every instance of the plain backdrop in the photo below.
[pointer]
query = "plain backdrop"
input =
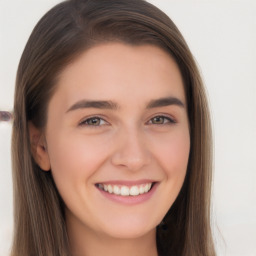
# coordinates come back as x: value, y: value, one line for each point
x: 222, y: 36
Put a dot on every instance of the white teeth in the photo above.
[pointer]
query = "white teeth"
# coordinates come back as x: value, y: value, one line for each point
x: 125, y: 190
x: 142, y: 189
x: 134, y: 191
x: 110, y: 190
x: 116, y: 190
x: 148, y: 187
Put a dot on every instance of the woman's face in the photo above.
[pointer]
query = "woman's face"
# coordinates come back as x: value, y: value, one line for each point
x: 117, y: 139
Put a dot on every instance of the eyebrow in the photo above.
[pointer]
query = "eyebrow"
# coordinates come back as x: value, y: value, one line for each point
x: 93, y: 104
x: 99, y: 104
x: 163, y: 102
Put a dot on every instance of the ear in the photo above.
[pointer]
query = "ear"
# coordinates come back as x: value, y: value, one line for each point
x: 38, y: 147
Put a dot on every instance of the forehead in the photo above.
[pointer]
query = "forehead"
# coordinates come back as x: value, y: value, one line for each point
x: 122, y: 72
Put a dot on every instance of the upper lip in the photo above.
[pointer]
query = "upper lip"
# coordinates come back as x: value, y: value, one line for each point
x: 127, y: 182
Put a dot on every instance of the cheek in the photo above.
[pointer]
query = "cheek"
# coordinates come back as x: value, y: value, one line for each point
x: 75, y: 158
x: 172, y: 152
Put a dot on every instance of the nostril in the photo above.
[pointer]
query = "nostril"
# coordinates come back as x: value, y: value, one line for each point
x: 131, y: 162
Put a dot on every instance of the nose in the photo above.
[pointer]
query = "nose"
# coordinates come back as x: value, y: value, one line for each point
x: 131, y: 151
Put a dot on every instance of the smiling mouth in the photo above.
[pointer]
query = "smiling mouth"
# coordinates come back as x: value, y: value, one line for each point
x: 120, y: 190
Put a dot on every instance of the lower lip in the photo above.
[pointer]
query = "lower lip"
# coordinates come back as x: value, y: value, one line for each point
x: 130, y: 200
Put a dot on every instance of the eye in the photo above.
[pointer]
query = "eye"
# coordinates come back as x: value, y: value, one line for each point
x: 93, y: 121
x: 158, y: 120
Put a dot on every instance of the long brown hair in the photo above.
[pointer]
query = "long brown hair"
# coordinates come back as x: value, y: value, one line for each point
x: 60, y: 36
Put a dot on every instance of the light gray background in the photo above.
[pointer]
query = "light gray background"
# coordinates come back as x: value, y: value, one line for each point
x: 222, y: 37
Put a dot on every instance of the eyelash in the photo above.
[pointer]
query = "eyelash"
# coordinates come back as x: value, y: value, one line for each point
x: 167, y: 121
x: 85, y: 122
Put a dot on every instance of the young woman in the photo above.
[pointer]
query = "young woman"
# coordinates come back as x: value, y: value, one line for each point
x: 111, y: 136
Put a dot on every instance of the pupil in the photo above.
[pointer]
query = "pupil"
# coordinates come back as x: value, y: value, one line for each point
x: 94, y: 121
x: 158, y: 120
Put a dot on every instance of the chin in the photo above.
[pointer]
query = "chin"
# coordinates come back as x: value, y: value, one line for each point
x: 129, y: 229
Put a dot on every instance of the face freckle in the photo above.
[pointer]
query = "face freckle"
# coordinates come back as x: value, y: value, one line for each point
x: 118, y: 139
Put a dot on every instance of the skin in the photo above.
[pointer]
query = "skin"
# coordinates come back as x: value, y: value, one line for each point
x: 127, y: 143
